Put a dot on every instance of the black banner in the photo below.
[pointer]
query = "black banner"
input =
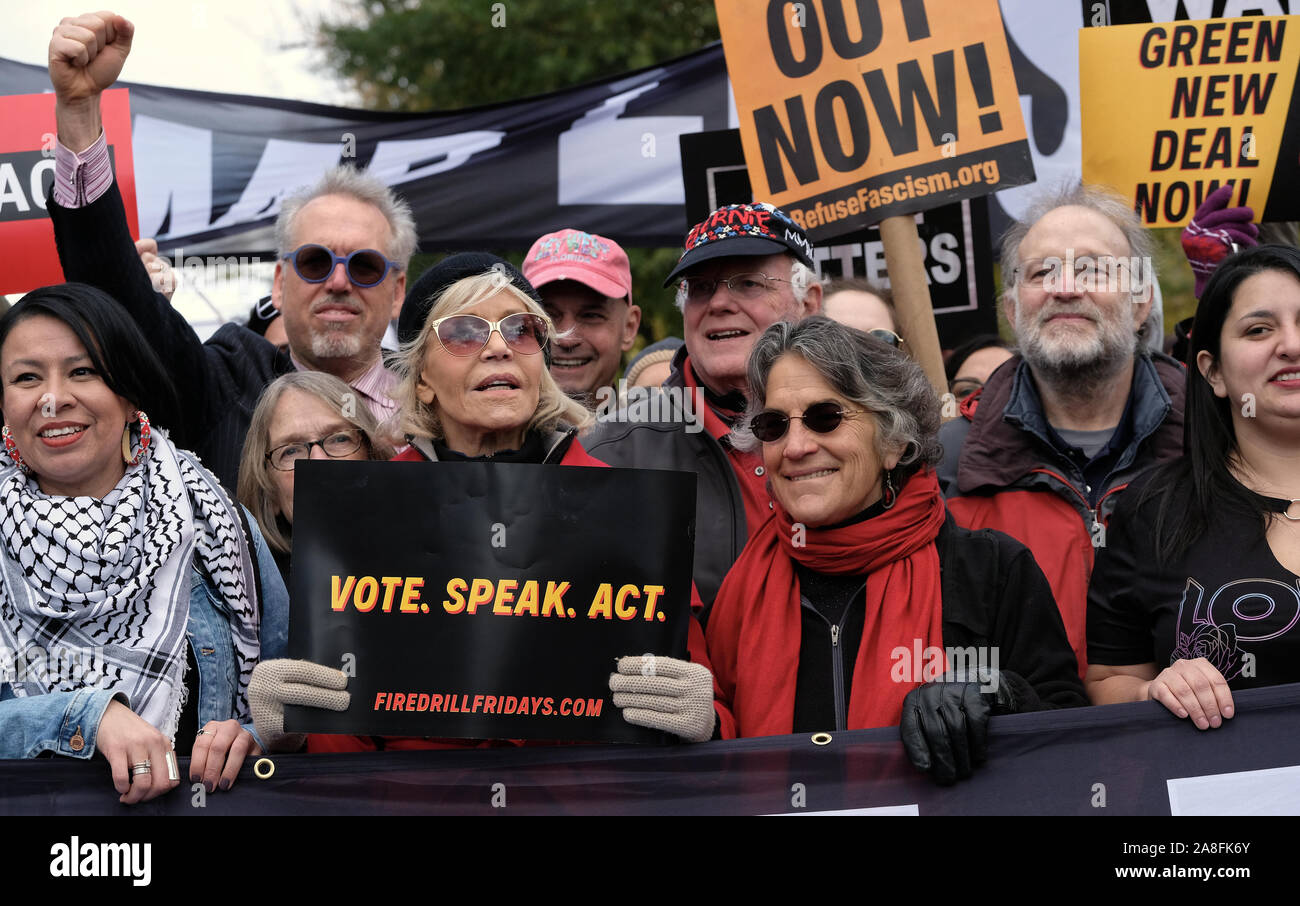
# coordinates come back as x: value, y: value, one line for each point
x: 1134, y: 759
x: 486, y: 600
x: 213, y: 168
x: 957, y: 248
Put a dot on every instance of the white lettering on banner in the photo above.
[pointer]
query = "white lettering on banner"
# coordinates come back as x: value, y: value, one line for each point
x: 1167, y: 10
x: 34, y: 181
x: 173, y: 163
x: 176, y: 161
x: 1233, y: 8
x: 11, y: 188
x: 283, y: 167
x: 948, y: 263
x: 943, y: 264
x: 600, y: 159
x: 393, y: 159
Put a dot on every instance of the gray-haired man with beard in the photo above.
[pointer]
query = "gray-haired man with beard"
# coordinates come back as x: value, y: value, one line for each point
x: 1043, y: 450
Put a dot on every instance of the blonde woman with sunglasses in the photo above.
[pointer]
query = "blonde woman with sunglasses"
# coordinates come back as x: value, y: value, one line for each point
x: 474, y: 387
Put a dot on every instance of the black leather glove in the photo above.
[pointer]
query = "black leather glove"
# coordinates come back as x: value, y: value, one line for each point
x: 945, y: 724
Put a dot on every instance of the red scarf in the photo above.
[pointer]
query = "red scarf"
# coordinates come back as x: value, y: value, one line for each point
x: 754, y: 629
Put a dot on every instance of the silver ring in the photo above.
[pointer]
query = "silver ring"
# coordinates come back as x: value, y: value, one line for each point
x: 141, y: 767
x: 201, y: 732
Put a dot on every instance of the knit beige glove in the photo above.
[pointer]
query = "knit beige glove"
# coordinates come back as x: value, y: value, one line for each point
x: 663, y: 693
x: 283, y: 682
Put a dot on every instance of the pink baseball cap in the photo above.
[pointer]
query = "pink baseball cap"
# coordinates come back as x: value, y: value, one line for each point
x: 589, y: 259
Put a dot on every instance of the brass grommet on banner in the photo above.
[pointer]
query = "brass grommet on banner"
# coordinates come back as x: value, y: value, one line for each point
x: 264, y: 768
x: 821, y: 739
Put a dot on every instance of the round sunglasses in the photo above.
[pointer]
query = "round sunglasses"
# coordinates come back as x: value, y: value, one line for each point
x: 523, y: 332
x: 769, y: 425
x: 364, y: 267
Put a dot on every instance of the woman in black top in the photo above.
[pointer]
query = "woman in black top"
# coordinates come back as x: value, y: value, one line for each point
x: 1201, y: 569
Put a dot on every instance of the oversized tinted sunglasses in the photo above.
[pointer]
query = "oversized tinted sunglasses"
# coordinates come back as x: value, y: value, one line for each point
x: 823, y: 418
x: 467, y: 334
x: 364, y: 267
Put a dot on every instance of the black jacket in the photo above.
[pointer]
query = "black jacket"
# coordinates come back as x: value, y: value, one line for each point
x: 720, y: 530
x: 995, y: 598
x: 219, y: 381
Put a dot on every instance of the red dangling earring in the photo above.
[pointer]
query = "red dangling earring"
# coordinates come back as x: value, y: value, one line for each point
x: 144, y: 440
x: 889, y: 496
x: 12, y: 449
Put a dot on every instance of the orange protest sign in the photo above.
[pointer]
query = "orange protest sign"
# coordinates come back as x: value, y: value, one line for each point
x: 27, y: 173
x: 851, y: 112
x: 1172, y: 111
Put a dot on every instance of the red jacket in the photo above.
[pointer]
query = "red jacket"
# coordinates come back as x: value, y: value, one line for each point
x: 572, y: 455
x: 999, y: 471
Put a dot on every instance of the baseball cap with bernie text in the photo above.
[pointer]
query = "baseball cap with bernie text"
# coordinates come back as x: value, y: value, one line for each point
x: 757, y: 228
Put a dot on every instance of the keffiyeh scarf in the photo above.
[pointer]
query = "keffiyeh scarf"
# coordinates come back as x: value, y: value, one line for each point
x: 97, y: 592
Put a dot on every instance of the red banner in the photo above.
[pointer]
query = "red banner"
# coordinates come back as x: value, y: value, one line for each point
x: 27, y: 173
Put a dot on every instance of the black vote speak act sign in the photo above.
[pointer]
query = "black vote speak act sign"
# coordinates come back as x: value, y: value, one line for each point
x: 486, y: 600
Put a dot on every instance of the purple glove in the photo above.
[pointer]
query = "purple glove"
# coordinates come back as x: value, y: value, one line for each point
x: 1209, y: 238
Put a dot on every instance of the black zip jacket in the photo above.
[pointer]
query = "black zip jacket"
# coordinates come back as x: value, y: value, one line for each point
x: 994, y: 597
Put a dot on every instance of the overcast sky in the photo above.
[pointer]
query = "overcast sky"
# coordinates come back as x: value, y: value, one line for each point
x: 262, y: 47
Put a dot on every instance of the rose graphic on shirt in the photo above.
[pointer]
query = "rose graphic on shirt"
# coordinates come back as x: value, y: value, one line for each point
x: 1217, y: 644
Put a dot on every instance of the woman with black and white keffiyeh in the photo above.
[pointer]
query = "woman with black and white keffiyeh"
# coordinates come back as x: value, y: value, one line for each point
x: 133, y: 606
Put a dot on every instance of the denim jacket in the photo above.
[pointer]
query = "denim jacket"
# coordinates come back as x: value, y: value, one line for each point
x: 67, y: 723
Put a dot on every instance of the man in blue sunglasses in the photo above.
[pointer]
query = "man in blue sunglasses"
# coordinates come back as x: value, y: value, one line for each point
x: 343, y: 246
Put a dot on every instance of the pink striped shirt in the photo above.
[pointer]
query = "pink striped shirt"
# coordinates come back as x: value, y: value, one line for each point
x: 81, y: 178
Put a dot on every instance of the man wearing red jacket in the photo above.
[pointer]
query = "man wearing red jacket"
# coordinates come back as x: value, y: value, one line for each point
x: 1043, y: 451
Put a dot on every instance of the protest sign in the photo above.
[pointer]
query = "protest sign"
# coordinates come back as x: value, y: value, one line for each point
x: 957, y: 247
x: 27, y: 173
x: 854, y: 112
x: 1173, y: 111
x: 486, y: 600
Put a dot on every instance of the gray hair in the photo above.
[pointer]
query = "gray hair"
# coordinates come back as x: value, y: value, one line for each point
x: 1102, y: 199
x: 256, y: 488
x: 863, y: 370
x: 348, y: 181
x: 801, y: 277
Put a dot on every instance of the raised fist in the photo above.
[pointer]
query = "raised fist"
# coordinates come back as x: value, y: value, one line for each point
x: 87, y: 54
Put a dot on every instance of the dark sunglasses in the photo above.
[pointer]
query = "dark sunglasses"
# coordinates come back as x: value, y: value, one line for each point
x: 770, y: 425
x: 523, y: 332
x: 365, y: 267
x: 887, y: 336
